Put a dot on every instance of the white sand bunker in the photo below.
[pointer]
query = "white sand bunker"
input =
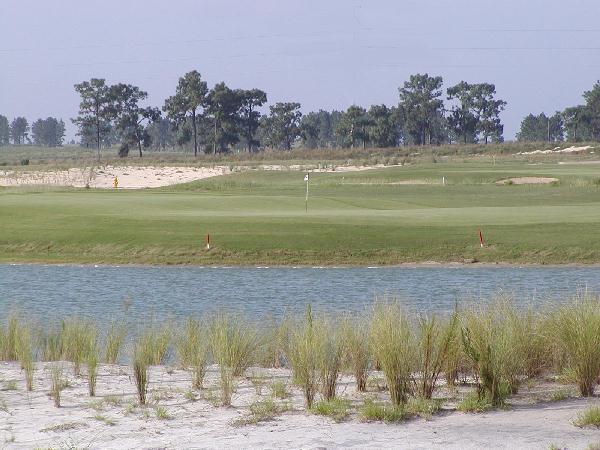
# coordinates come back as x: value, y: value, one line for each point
x: 139, y: 177
x: 527, y: 180
x: 129, y: 177
x: 558, y: 150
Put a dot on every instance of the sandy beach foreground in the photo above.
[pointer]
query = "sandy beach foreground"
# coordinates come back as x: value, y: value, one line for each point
x: 177, y: 417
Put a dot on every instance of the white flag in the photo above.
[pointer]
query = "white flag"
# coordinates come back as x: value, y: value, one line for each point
x: 306, y: 177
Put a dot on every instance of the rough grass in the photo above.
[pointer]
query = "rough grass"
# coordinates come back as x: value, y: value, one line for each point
x: 590, y: 417
x: 336, y: 408
x: 381, y: 412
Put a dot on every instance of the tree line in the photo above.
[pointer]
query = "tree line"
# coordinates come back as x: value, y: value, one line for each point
x: 575, y: 123
x: 221, y: 119
x: 48, y: 132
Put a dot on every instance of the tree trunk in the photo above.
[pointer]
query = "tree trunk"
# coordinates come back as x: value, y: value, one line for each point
x: 140, y: 147
x: 215, y: 138
x: 98, y: 138
x: 195, y: 134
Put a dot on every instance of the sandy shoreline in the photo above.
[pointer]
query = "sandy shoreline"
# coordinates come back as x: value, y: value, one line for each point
x: 112, y: 419
x: 422, y: 265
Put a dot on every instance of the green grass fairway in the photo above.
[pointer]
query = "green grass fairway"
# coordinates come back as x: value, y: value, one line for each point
x: 367, y: 218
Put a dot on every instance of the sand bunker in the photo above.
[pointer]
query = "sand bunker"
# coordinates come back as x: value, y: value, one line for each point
x: 139, y: 177
x: 558, y: 150
x: 527, y: 180
x: 129, y: 177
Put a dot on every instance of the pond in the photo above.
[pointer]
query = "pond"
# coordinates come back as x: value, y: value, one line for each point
x: 140, y: 294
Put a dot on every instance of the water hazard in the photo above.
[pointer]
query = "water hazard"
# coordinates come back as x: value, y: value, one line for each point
x: 142, y: 293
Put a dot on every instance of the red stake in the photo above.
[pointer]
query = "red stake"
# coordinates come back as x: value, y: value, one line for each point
x: 481, y: 238
x: 207, y: 239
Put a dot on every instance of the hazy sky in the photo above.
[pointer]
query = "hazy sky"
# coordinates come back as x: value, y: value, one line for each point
x: 322, y: 53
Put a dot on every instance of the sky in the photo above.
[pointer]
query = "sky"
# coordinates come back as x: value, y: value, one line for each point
x: 325, y: 54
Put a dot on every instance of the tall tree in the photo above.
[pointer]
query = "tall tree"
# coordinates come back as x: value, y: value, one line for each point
x: 131, y: 119
x: 4, y: 130
x: 488, y: 111
x: 19, y: 128
x: 352, y: 127
x: 317, y: 129
x: 421, y: 106
x: 190, y: 95
x: 95, y: 109
x: 577, y: 123
x: 222, y: 109
x: 48, y: 132
x: 249, y: 100
x: 592, y: 100
x: 463, y: 120
x: 382, y: 129
x: 282, y: 126
x: 162, y: 133
x: 541, y: 128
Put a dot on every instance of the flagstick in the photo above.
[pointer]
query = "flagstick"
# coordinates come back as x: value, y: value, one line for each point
x: 306, y: 200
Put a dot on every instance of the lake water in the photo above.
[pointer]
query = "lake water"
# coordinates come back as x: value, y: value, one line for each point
x: 139, y: 293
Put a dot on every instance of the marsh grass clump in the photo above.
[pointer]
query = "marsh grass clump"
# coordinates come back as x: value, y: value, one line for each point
x: 192, y: 351
x: 423, y: 407
x: 372, y: 411
x: 274, y: 343
x: 115, y: 337
x: 393, y: 346
x: 76, y: 336
x: 25, y: 352
x: 162, y: 413
x: 435, y: 344
x: 57, y: 382
x: 50, y: 345
x: 494, y: 350
x: 474, y: 402
x: 9, y: 339
x: 142, y: 356
x: 303, y: 357
x: 232, y: 343
x: 330, y: 352
x: 357, y: 354
x: 590, y: 417
x: 92, y: 364
x: 279, y: 390
x: 576, y: 328
x: 336, y: 408
x: 260, y: 411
